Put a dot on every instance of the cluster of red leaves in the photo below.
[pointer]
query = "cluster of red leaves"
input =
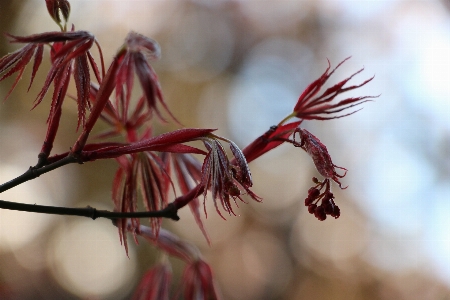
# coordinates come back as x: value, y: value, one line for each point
x: 155, y: 283
x: 70, y: 55
x: 148, y: 163
x: 197, y: 280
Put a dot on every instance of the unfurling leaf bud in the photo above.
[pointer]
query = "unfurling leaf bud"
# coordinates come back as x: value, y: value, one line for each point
x: 55, y: 7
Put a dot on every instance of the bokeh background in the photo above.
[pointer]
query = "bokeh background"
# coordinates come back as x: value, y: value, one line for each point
x: 240, y: 66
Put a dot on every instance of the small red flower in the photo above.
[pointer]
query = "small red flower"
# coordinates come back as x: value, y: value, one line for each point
x: 325, y: 166
x: 326, y: 199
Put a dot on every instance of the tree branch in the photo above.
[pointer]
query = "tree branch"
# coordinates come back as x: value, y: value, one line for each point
x: 170, y: 211
x: 34, y: 172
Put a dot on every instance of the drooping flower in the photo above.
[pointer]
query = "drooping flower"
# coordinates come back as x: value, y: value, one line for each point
x: 224, y: 179
x: 326, y: 199
x: 314, y: 106
x: 325, y: 166
x: 319, y: 153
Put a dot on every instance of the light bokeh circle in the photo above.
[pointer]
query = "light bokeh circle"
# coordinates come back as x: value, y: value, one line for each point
x: 86, y: 258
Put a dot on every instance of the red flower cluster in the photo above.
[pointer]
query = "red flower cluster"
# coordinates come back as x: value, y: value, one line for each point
x: 327, y: 205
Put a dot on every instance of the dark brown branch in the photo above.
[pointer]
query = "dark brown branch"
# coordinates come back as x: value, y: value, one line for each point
x: 169, y: 212
x: 34, y: 172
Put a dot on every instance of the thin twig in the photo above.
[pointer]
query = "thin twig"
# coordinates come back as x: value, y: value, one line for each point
x: 34, y: 172
x: 170, y: 211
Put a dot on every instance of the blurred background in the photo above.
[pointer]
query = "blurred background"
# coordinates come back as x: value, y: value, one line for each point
x: 240, y: 66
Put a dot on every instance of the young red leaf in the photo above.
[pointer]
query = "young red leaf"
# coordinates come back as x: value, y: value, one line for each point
x: 125, y: 197
x: 101, y: 100
x: 82, y: 82
x: 188, y: 170
x: 61, y: 85
x: 51, y: 37
x: 169, y: 243
x: 17, y: 61
x: 153, y: 180
x: 170, y: 142
x: 139, y: 50
x: 198, y: 282
x: 54, y: 7
x: 155, y: 284
x: 37, y: 62
x: 312, y: 107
